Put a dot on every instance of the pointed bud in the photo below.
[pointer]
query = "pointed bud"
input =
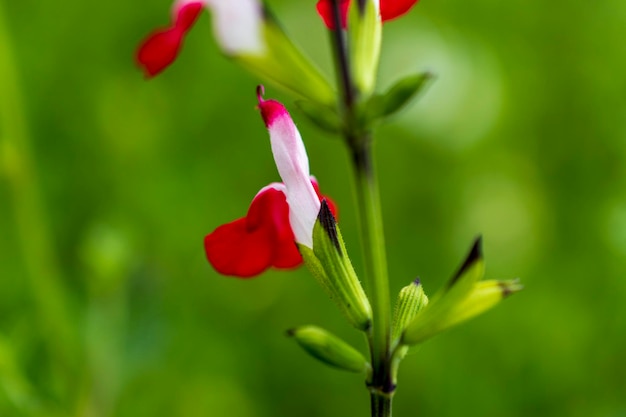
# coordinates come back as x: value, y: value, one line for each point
x: 329, y: 349
x: 328, y: 261
x: 411, y: 300
x: 463, y: 298
x: 365, y: 29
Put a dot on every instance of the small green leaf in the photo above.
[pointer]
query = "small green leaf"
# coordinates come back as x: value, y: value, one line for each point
x: 320, y: 115
x: 329, y: 349
x: 397, y: 97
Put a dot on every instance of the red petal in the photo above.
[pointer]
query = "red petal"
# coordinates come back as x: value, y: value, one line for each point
x: 325, y: 10
x: 249, y: 246
x: 187, y: 15
x: 161, y: 48
x: 233, y: 251
x: 390, y: 9
x: 158, y: 51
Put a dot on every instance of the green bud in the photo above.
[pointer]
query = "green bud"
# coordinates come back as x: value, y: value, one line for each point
x: 397, y: 97
x: 324, y: 117
x: 329, y: 263
x: 365, y: 29
x: 410, y: 301
x: 329, y: 349
x: 283, y: 64
x: 462, y: 298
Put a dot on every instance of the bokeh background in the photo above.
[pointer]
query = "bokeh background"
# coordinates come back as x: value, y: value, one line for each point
x: 109, y: 182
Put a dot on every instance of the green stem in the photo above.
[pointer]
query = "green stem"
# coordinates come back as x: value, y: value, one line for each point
x: 372, y: 238
x: 381, y: 404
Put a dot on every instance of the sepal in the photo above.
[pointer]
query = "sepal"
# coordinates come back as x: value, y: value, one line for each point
x: 484, y: 295
x: 329, y: 263
x: 462, y: 298
x: 329, y: 349
x: 283, y: 64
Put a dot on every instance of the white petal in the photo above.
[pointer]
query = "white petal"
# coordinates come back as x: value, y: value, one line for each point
x: 292, y: 163
x: 238, y: 25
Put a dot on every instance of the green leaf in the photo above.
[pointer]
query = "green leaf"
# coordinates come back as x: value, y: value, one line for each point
x: 397, y: 97
x: 329, y: 349
x: 322, y: 116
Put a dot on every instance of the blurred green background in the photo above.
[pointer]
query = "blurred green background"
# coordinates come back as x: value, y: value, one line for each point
x: 108, y: 184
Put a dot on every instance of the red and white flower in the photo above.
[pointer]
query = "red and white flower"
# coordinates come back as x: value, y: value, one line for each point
x: 280, y: 215
x: 237, y: 25
x: 389, y: 9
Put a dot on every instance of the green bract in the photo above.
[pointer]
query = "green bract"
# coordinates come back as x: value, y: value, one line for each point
x: 283, y: 64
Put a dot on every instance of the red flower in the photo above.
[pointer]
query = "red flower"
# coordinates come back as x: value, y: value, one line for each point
x: 250, y: 245
x: 280, y: 215
x: 389, y: 9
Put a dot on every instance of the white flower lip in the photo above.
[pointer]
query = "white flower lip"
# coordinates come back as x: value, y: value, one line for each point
x: 292, y: 163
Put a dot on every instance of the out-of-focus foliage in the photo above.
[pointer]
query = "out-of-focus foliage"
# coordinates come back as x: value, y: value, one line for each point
x: 108, y: 307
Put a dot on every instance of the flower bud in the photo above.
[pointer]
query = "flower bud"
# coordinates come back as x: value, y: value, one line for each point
x: 462, y: 298
x: 365, y: 29
x: 329, y: 349
x: 410, y: 301
x: 329, y: 263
